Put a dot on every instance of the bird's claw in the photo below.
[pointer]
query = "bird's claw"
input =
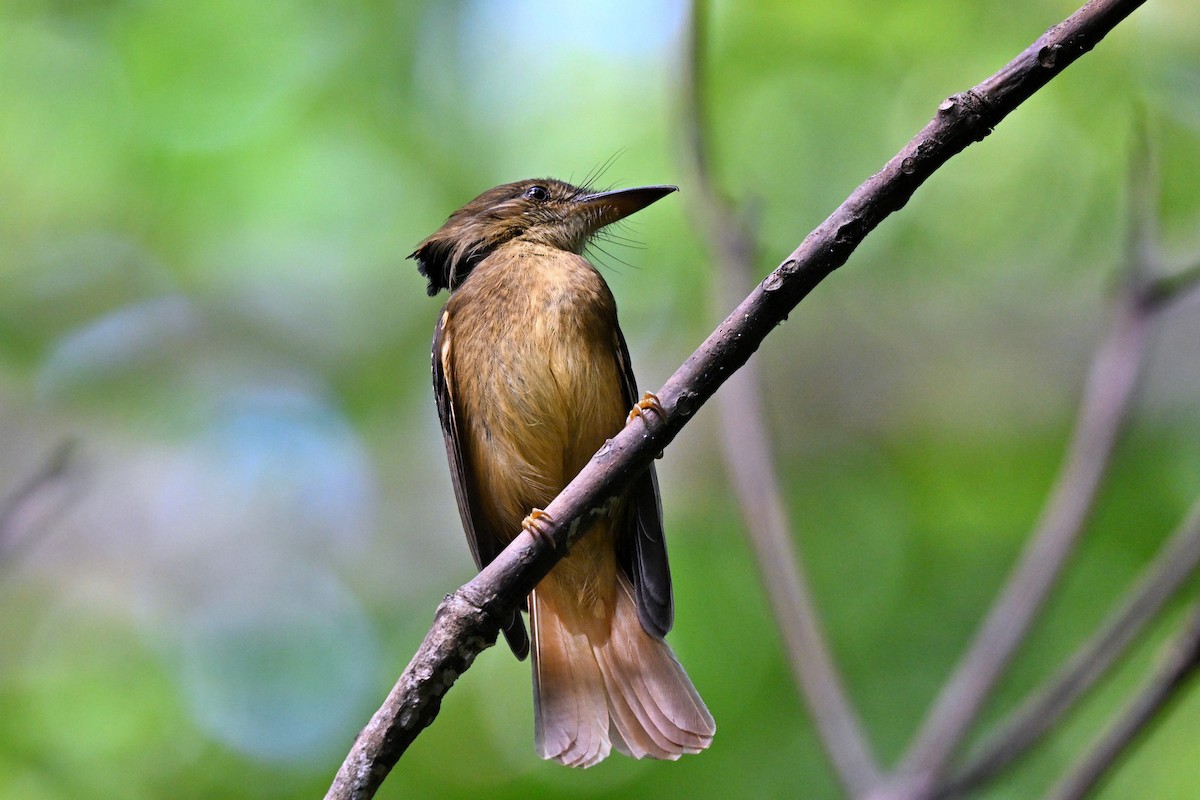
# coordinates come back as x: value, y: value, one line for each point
x: 649, y: 402
x: 534, y: 524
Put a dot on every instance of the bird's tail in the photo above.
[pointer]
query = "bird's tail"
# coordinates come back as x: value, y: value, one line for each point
x: 600, y: 683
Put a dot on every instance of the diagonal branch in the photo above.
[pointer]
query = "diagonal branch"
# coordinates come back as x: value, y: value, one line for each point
x: 1179, y: 667
x: 1175, y: 563
x: 474, y: 608
x: 749, y: 460
x: 1175, y: 286
x: 14, y: 525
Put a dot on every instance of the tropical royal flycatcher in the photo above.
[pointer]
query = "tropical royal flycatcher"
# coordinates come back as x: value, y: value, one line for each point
x: 532, y: 375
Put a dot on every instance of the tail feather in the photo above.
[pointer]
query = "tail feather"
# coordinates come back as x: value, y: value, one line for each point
x: 646, y: 673
x: 629, y: 735
x: 596, y: 689
x: 565, y: 688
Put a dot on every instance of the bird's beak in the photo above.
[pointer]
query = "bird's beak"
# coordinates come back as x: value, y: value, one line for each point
x: 620, y: 203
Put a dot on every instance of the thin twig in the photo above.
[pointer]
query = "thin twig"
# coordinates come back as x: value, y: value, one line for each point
x: 1155, y: 695
x: 12, y: 510
x: 493, y: 594
x: 1172, y: 287
x: 749, y: 460
x: 1170, y: 570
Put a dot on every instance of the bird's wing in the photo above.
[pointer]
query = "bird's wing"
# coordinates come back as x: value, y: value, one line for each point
x: 485, y: 545
x: 641, y: 546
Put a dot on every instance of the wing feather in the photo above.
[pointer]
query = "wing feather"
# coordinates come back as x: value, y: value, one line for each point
x: 641, y: 545
x: 484, y: 543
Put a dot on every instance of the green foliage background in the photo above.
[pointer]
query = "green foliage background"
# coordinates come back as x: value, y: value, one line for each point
x: 205, y: 213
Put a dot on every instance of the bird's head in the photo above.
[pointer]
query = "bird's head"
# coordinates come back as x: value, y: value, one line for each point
x: 543, y: 211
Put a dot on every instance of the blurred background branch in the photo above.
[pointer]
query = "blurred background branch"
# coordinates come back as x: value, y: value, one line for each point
x: 746, y: 446
x: 1112, y: 381
x: 1178, y: 668
x: 1024, y: 727
x: 1145, y: 292
x: 25, y: 513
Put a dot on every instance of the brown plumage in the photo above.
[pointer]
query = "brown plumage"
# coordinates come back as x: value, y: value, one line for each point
x: 532, y: 375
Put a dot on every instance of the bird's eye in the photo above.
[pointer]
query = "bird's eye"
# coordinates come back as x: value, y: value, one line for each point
x: 539, y: 193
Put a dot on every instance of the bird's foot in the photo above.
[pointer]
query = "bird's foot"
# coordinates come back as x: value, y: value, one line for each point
x: 649, y: 402
x: 534, y: 524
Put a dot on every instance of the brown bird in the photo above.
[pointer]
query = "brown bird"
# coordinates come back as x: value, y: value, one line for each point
x: 532, y: 375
